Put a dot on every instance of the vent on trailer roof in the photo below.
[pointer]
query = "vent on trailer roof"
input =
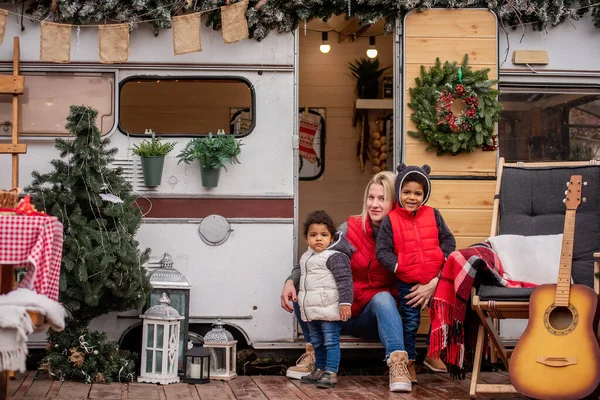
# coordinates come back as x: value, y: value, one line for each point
x: 132, y: 172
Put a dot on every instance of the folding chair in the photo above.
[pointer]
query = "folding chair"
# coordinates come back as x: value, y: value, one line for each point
x: 529, y: 201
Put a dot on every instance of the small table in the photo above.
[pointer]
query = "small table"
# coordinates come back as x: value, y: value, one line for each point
x: 35, y: 243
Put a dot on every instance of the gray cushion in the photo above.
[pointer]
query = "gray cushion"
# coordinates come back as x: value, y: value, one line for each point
x: 504, y: 294
x: 531, y: 203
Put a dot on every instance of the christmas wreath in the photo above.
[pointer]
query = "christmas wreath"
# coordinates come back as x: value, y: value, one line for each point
x: 435, y: 93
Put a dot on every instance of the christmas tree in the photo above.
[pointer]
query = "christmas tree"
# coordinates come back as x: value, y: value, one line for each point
x: 101, y: 268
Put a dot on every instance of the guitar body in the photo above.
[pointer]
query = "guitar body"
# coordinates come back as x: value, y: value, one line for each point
x: 557, y: 357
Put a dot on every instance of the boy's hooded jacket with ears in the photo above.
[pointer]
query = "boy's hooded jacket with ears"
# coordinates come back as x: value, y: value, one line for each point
x: 414, y: 245
x: 326, y: 281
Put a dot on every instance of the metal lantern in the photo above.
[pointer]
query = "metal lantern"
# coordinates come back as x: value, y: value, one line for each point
x: 197, y: 364
x: 168, y: 280
x: 160, y: 343
x: 222, y: 349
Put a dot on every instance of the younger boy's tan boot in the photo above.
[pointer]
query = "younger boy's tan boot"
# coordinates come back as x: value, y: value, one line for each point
x: 305, y: 364
x: 327, y: 380
x: 399, y: 376
x: 412, y: 371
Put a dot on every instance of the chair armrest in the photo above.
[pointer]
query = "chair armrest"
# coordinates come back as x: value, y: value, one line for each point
x: 596, y: 272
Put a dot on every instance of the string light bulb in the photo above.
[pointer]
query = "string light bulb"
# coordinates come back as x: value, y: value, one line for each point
x: 372, y: 50
x: 324, y: 47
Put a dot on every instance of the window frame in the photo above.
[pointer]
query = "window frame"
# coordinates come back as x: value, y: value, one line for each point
x: 557, y: 82
x: 29, y: 70
x: 186, y: 78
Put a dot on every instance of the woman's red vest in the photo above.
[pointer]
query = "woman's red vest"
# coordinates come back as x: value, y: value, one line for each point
x: 416, y: 242
x: 368, y: 275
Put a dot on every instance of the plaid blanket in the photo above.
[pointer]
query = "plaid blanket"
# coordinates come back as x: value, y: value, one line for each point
x: 453, y: 323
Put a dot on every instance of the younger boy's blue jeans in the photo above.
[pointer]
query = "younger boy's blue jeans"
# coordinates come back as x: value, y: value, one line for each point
x: 325, y: 338
x: 411, y: 319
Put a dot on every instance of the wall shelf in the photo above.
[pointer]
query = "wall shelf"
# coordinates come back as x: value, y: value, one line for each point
x: 375, y: 104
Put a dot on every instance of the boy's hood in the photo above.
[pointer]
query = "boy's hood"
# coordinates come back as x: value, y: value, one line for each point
x: 404, y: 171
x: 341, y: 244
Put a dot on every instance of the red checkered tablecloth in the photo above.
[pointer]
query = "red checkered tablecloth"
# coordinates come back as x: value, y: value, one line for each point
x: 33, y: 242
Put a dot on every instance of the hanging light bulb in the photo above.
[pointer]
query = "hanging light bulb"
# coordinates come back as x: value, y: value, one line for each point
x: 372, y: 50
x: 324, y: 47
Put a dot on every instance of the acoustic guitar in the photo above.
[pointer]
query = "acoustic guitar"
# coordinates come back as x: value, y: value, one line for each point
x: 558, y: 356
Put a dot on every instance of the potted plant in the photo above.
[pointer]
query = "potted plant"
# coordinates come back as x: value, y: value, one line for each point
x: 367, y: 73
x: 152, y: 155
x: 213, y: 152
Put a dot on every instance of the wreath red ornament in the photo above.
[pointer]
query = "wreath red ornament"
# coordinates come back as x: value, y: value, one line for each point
x: 445, y: 116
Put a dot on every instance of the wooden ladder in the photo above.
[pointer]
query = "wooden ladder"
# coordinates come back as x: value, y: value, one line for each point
x: 11, y: 84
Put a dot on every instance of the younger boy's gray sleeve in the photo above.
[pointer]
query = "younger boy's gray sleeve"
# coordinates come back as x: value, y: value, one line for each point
x: 339, y: 265
x: 385, y: 245
x: 295, y: 276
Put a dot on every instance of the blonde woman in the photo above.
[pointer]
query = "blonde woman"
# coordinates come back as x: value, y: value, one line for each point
x: 375, y: 306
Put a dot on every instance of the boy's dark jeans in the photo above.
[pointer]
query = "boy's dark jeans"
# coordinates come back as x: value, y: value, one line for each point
x: 411, y: 319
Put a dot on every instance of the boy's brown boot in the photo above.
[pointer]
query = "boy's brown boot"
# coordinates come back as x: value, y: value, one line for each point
x: 435, y: 364
x: 412, y: 371
x: 313, y: 377
x: 399, y: 376
x: 327, y: 380
x: 305, y: 364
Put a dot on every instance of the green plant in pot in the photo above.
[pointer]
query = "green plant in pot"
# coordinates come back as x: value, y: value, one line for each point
x: 152, y: 156
x: 213, y: 152
x: 367, y: 73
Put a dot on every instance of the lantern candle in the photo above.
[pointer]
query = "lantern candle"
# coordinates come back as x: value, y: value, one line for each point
x: 195, y: 371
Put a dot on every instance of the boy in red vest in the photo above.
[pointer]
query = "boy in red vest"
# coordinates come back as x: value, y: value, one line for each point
x: 413, y: 242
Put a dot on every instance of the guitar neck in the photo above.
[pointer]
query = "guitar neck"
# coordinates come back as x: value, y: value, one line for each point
x: 563, y: 286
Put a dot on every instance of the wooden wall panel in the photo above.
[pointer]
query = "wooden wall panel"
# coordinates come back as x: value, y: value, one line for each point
x: 478, y: 163
x: 452, y: 23
x: 452, y: 194
x: 449, y: 35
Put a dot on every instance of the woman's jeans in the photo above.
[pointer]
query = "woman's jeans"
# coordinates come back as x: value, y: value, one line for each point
x: 379, y: 320
x: 325, y: 338
x: 303, y: 325
x: 411, y: 318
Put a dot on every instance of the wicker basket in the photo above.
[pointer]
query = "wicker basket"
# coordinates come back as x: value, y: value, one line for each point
x: 9, y: 198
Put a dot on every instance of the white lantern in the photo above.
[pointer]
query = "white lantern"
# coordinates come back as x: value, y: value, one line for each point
x: 222, y: 350
x: 160, y: 343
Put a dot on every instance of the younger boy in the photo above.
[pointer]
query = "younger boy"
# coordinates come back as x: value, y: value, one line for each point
x: 413, y: 242
x: 325, y: 296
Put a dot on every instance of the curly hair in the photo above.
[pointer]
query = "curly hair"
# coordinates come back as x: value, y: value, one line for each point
x: 319, y: 217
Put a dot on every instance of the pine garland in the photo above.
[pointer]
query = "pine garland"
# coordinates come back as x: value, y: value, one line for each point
x: 285, y: 15
x: 436, y: 124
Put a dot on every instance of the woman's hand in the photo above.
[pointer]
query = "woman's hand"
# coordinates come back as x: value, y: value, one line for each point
x: 345, y: 312
x: 420, y: 294
x: 288, y: 294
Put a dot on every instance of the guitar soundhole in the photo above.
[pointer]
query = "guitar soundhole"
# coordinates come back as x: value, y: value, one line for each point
x: 560, y: 319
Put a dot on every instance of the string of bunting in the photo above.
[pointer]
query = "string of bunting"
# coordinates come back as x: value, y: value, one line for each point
x: 113, y: 39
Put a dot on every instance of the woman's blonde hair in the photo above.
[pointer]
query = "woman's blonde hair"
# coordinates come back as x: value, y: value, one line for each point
x: 387, y: 180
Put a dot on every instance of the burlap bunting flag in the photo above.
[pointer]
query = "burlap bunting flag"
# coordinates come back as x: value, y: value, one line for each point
x: 3, y: 15
x: 186, y: 34
x: 233, y: 22
x: 113, y: 41
x: 55, y: 42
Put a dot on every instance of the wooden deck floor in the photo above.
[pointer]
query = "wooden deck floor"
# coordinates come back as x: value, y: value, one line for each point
x: 430, y: 387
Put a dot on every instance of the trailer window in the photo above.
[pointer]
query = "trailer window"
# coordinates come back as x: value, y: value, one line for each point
x: 549, y: 124
x: 44, y: 105
x: 186, y: 107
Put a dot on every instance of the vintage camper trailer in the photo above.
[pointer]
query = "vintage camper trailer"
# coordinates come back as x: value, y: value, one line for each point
x: 260, y: 91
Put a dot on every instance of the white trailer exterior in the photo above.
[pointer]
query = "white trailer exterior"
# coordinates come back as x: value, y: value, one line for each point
x: 240, y: 281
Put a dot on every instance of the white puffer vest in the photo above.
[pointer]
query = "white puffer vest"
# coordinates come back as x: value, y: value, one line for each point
x: 318, y: 296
